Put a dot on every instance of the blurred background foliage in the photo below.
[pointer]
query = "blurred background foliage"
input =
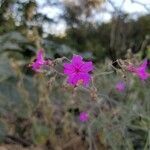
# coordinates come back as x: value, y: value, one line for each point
x: 33, y: 112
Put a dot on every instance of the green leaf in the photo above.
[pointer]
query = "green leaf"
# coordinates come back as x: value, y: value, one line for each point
x: 11, y: 97
x: 11, y: 41
x: 5, y: 69
x: 13, y: 36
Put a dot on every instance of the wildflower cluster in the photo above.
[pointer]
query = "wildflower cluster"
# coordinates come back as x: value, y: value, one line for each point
x: 79, y: 73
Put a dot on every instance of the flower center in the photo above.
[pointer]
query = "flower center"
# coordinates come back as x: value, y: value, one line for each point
x: 80, y: 82
x: 77, y: 70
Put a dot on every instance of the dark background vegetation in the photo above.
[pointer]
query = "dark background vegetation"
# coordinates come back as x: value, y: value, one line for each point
x: 33, y: 113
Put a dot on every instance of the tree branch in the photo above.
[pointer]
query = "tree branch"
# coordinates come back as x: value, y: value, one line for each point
x: 142, y: 4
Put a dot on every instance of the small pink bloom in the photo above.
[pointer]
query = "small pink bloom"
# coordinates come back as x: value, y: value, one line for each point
x: 84, y: 117
x: 120, y: 86
x: 140, y: 71
x: 78, y: 71
x: 39, y: 61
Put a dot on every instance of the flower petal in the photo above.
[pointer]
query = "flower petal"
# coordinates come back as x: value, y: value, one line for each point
x: 86, y: 78
x: 144, y: 64
x: 36, y: 67
x: 87, y: 66
x: 72, y: 79
x: 141, y: 70
x: 39, y: 61
x: 77, y: 60
x: 40, y: 58
x: 142, y: 75
x: 68, y: 68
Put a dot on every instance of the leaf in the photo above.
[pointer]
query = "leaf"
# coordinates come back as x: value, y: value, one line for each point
x: 31, y: 87
x: 5, y: 70
x: 11, y: 41
x: 13, y: 36
x: 8, y: 45
x: 10, y: 97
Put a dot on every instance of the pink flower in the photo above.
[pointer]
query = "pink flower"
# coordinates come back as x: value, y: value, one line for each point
x: 78, y: 71
x: 39, y: 61
x: 84, y: 117
x: 140, y: 71
x: 120, y: 86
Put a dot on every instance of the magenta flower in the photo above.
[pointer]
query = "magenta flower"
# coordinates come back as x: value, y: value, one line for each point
x: 84, y: 116
x: 78, y: 71
x: 140, y: 71
x: 120, y: 86
x: 39, y: 61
